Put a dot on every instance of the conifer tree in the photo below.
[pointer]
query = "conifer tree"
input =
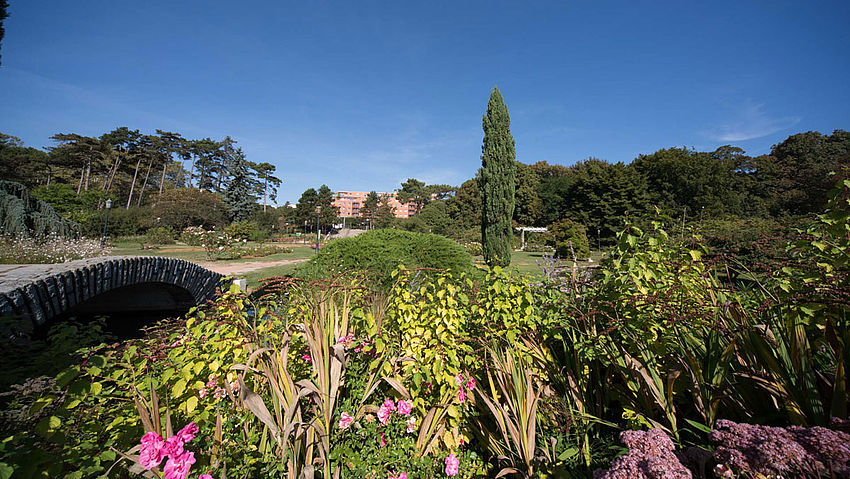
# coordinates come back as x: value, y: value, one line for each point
x: 237, y: 195
x: 497, y: 181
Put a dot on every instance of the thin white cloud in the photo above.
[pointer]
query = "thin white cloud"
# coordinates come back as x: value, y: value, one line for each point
x: 752, y: 122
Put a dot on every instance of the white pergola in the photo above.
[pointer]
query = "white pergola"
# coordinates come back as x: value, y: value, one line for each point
x: 530, y: 229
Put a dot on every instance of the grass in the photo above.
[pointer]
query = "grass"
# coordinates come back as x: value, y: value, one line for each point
x: 524, y: 262
x: 132, y: 247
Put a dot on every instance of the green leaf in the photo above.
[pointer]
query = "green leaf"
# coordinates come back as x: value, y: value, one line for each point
x: 191, y: 404
x: 96, y: 387
x: 701, y: 427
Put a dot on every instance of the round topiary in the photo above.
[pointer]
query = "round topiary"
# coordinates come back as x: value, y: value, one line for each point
x: 381, y: 251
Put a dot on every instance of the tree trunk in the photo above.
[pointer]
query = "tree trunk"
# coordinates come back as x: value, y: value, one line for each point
x: 265, y: 194
x: 88, y: 174
x: 162, y: 179
x: 133, y: 184
x: 191, y: 171
x: 113, y: 172
x: 82, y: 175
x: 144, y: 183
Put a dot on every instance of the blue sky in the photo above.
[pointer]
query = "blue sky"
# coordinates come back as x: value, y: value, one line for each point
x: 362, y: 95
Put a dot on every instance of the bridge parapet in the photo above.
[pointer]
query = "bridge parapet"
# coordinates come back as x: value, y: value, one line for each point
x: 44, y: 291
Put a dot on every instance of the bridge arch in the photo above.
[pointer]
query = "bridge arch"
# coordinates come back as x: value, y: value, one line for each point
x: 41, y: 293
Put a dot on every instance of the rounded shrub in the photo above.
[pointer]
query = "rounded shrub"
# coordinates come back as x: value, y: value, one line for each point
x: 381, y: 251
x: 566, y: 233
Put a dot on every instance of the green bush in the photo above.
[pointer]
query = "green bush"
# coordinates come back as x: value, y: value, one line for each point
x: 566, y: 232
x: 381, y: 251
x: 160, y: 235
x: 242, y: 230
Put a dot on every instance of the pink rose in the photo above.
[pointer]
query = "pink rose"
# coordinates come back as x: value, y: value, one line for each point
x: 383, y: 414
x: 307, y: 357
x: 188, y: 432
x: 151, y: 453
x: 178, y: 468
x: 411, y: 424
x: 403, y: 407
x: 388, y: 403
x: 205, y: 476
x: 452, y: 463
x: 461, y: 396
x: 345, y: 420
x: 470, y: 385
x: 403, y: 475
x: 383, y: 441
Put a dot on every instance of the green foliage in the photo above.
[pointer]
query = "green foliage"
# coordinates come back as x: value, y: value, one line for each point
x: 242, y: 230
x: 497, y: 182
x: 238, y: 195
x: 190, y: 207
x: 24, y: 215
x: 160, y: 236
x: 570, y: 239
x: 381, y: 251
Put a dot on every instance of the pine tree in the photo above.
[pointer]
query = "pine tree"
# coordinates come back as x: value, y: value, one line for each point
x: 497, y: 180
x: 237, y: 195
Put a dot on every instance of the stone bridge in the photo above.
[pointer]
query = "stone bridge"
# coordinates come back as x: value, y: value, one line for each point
x: 111, y: 284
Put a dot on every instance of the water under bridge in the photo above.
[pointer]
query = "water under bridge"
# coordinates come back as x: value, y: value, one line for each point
x: 113, y: 285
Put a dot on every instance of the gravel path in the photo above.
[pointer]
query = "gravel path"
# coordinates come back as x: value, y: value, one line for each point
x: 240, y: 268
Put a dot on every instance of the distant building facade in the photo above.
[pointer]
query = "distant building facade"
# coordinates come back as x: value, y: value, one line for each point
x: 351, y: 202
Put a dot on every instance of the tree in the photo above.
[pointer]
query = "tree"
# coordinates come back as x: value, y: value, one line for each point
x: 414, y: 191
x: 369, y: 211
x: 385, y: 215
x: 329, y: 213
x: 435, y: 216
x: 305, y: 210
x: 267, y: 180
x: 529, y: 208
x: 498, y: 178
x: 4, y: 5
x: 237, y: 193
x: 190, y: 207
x: 465, y: 207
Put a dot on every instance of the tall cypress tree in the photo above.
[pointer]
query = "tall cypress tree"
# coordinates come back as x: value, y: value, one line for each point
x: 497, y: 182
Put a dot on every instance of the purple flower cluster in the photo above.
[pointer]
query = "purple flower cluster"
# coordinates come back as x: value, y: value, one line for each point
x: 650, y: 456
x: 766, y: 450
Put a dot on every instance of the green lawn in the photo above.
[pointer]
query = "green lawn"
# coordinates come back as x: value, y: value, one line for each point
x: 526, y: 263
x: 132, y: 247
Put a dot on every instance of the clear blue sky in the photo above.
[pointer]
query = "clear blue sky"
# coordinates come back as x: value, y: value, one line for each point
x: 362, y: 95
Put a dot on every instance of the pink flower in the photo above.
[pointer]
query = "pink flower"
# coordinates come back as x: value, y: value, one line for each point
x: 388, y: 403
x: 403, y: 475
x: 205, y: 476
x: 151, y: 454
x: 213, y: 381
x: 174, y: 445
x: 384, y: 414
x: 219, y: 393
x: 461, y: 396
x: 188, y: 432
x: 178, y: 468
x: 452, y: 463
x: 345, y: 420
x: 307, y: 357
x: 234, y: 386
x: 459, y: 379
x: 470, y: 385
x: 403, y: 407
x: 383, y: 441
x: 202, y: 393
x: 411, y: 424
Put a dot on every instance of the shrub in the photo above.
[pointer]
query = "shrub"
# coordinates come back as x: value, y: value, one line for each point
x: 242, y: 230
x: 190, y: 207
x: 381, y: 251
x: 473, y: 248
x: 192, y: 235
x: 567, y: 232
x: 47, y: 249
x: 160, y: 235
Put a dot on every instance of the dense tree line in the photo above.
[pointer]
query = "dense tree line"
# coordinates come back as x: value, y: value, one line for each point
x: 78, y: 173
x: 792, y: 180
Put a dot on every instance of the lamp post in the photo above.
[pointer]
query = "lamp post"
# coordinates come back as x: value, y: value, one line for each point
x: 318, y: 210
x: 305, y: 231
x: 105, y: 222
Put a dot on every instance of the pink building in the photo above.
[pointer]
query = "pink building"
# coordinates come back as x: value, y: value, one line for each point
x: 350, y: 203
